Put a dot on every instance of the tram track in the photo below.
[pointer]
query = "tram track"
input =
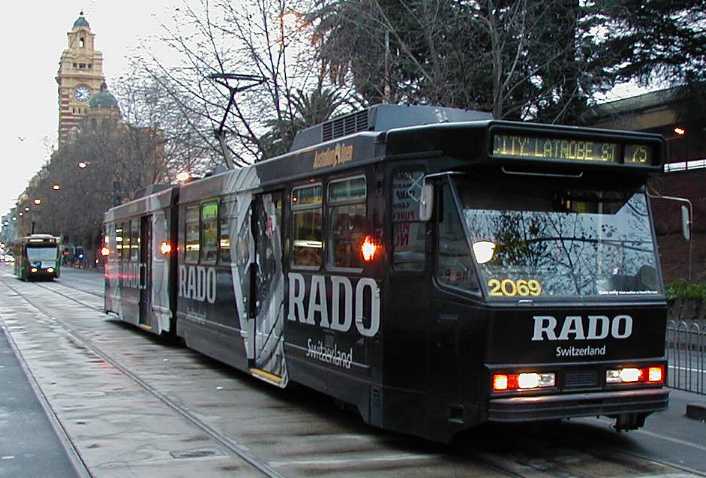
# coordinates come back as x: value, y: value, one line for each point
x: 519, y: 461
x: 223, y: 440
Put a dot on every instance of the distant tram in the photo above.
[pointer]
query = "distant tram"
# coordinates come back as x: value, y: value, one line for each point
x: 37, y: 257
x: 432, y: 267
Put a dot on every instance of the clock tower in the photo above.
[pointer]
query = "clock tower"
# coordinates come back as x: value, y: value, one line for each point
x: 80, y: 76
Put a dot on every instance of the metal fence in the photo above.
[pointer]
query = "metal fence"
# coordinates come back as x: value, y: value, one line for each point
x: 686, y: 354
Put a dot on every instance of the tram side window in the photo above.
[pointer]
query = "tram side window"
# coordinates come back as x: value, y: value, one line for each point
x: 226, y: 213
x: 454, y: 263
x: 347, y: 220
x: 209, y: 232
x: 409, y: 235
x: 307, y: 241
x: 191, y: 224
x: 125, y: 253
x: 134, y: 240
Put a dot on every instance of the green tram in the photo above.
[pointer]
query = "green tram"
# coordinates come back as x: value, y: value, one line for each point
x: 431, y: 267
x: 37, y: 257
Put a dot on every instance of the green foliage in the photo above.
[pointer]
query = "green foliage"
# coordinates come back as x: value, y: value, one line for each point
x: 682, y: 289
x: 519, y: 59
x: 655, y: 39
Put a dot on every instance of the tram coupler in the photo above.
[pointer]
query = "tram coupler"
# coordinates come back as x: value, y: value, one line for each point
x: 629, y: 421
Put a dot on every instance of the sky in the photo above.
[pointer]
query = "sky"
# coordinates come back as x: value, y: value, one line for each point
x: 33, y: 36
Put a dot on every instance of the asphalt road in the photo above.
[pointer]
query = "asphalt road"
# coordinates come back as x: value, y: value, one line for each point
x: 297, y: 431
x: 29, y: 446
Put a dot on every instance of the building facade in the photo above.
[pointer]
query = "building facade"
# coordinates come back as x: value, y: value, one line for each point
x: 79, y: 78
x: 679, y: 115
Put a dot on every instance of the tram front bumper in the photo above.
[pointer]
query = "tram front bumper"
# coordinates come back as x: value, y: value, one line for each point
x: 551, y: 407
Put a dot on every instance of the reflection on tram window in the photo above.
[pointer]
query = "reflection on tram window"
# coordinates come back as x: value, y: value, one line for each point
x: 306, y: 228
x: 409, y: 238
x: 226, y: 213
x: 571, y: 242
x: 135, y: 240
x: 191, y: 222
x: 454, y: 265
x: 110, y: 242
x: 209, y: 232
x: 347, y: 230
x: 347, y: 221
x: 125, y: 255
x: 119, y: 238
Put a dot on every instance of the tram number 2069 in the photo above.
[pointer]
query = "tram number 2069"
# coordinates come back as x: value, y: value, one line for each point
x: 513, y: 288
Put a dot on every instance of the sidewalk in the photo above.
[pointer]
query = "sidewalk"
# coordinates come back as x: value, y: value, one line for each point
x: 674, y: 422
x: 29, y: 446
x: 672, y: 436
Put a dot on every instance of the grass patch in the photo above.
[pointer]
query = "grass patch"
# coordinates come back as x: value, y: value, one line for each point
x: 686, y: 290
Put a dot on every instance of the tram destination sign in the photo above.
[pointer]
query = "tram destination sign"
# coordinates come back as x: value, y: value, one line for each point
x: 537, y: 147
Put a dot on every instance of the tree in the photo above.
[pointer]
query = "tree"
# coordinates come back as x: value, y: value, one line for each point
x: 519, y: 59
x: 653, y: 40
x: 106, y: 161
x: 255, y: 37
x: 148, y: 104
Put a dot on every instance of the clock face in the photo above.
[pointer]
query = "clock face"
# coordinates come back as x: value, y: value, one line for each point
x: 82, y: 93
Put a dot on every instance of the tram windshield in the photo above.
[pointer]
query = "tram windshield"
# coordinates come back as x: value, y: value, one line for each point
x: 543, y: 239
x: 41, y: 254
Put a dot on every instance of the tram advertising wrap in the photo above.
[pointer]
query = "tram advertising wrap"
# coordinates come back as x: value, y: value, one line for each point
x: 429, y: 267
x: 576, y: 334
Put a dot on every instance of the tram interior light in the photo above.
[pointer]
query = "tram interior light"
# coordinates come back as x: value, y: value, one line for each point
x: 483, y: 251
x: 522, y: 381
x: 654, y: 374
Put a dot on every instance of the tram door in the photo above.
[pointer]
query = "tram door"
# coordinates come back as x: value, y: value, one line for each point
x: 146, y: 271
x: 267, y: 279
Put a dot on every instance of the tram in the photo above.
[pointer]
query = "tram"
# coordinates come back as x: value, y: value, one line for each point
x: 37, y: 257
x: 432, y: 267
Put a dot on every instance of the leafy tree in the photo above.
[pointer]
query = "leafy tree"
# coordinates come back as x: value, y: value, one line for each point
x: 519, y: 59
x: 653, y: 40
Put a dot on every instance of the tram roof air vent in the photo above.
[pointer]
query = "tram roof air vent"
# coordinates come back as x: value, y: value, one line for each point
x: 382, y: 118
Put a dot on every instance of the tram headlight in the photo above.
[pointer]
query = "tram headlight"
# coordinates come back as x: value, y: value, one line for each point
x: 34, y: 269
x: 483, y: 251
x: 50, y: 270
x: 653, y: 374
x: 628, y: 375
x: 535, y: 380
x: 522, y: 381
